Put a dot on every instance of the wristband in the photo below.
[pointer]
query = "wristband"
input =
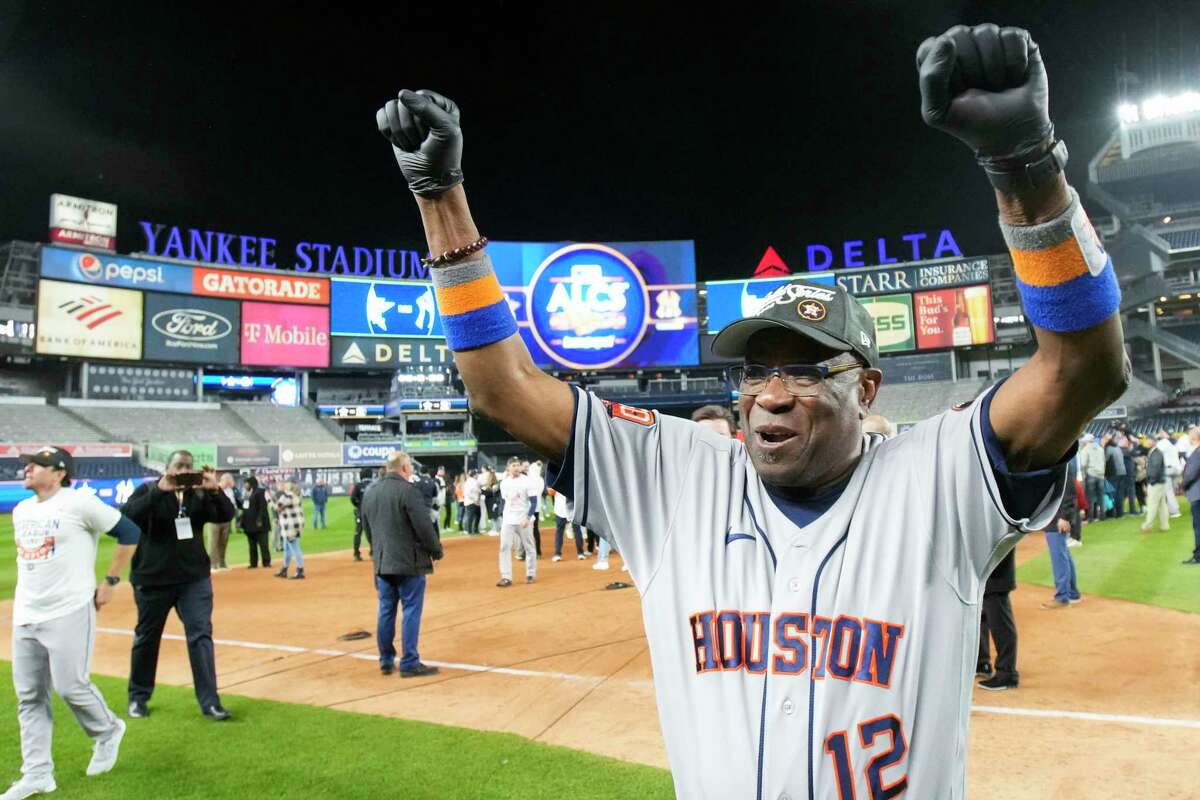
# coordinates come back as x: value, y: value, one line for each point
x: 1065, y: 278
x: 474, y: 310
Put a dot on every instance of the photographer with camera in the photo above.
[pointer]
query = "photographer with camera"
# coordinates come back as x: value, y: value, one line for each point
x: 171, y: 570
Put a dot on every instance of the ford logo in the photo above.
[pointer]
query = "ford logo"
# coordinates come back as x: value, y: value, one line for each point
x: 192, y: 324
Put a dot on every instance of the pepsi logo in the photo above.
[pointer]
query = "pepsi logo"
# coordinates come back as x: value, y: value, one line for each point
x: 89, y: 266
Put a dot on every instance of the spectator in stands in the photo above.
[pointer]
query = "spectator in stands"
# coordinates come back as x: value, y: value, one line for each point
x: 256, y: 522
x: 1158, y: 484
x: 356, y: 498
x: 405, y: 545
x: 289, y: 508
x: 1114, y: 472
x: 320, y: 498
x: 1091, y: 468
x: 219, y: 531
x: 1058, y: 535
x: 1191, y: 488
x: 471, y: 497
x: 718, y: 419
x: 171, y: 570
x: 877, y: 423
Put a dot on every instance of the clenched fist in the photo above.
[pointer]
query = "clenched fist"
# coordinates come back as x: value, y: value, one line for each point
x: 987, y: 87
x: 423, y: 129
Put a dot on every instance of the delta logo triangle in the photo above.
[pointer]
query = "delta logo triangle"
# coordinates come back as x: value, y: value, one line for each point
x: 353, y: 355
x: 771, y: 265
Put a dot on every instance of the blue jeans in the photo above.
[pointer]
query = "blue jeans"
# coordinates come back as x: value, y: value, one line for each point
x: 318, y: 515
x: 291, y: 549
x: 1063, y: 566
x: 409, y: 591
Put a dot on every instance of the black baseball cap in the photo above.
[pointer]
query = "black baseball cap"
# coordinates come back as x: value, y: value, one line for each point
x: 828, y: 315
x: 53, y: 457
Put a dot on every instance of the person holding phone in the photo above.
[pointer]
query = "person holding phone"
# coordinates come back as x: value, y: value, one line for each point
x: 171, y: 570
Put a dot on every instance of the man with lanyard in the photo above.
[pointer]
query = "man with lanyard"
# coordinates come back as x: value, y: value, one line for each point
x: 54, y: 614
x: 811, y: 596
x: 171, y: 570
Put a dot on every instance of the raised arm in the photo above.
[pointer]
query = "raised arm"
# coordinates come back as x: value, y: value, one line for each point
x: 987, y: 86
x: 501, y: 378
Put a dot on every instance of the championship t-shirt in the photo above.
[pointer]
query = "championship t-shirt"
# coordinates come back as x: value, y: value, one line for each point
x: 516, y: 493
x: 56, y: 553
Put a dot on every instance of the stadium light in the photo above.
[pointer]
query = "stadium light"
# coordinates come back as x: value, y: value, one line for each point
x: 1158, y: 107
x: 1167, y: 219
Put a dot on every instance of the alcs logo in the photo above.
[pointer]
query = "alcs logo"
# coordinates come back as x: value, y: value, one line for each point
x: 588, y: 306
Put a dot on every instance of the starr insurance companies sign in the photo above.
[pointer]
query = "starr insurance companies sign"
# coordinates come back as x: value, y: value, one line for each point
x: 88, y: 223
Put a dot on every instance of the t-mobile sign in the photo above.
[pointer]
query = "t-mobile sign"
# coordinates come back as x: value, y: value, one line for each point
x: 278, y: 335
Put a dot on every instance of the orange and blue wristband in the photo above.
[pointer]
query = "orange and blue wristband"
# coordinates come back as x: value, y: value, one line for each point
x: 1065, y: 278
x: 474, y: 310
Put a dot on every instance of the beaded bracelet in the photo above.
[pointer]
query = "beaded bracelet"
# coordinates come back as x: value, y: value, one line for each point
x: 450, y: 256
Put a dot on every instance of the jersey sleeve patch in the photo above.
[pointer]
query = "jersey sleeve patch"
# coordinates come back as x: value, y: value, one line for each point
x: 638, y: 416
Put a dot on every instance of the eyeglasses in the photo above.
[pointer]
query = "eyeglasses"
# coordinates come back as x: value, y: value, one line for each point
x: 800, y: 380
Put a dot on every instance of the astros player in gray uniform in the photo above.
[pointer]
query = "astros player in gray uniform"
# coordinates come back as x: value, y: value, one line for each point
x: 811, y: 597
x: 54, y: 614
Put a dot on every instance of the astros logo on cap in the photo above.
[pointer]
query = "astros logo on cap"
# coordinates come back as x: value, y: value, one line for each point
x: 811, y: 310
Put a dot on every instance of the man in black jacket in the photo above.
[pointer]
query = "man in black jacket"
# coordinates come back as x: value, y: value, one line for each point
x: 171, y: 570
x: 256, y: 522
x: 404, y: 545
x: 998, y: 620
x: 365, y: 476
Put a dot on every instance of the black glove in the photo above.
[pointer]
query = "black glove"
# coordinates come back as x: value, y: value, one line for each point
x: 423, y: 129
x: 987, y: 87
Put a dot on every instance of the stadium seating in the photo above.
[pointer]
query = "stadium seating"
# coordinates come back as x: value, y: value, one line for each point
x: 280, y: 424
x: 913, y: 402
x: 38, y: 424
x: 89, y: 468
x: 157, y: 424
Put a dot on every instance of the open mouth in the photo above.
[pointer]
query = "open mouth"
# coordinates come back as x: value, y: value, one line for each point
x: 774, y: 435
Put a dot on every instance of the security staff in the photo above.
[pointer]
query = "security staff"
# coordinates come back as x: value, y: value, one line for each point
x: 171, y: 570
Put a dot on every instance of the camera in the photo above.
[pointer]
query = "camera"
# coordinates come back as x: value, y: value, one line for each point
x: 186, y: 480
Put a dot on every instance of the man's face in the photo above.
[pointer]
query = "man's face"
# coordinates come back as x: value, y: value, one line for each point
x: 180, y: 462
x: 41, y: 479
x: 804, y: 442
x: 514, y: 469
x: 226, y: 481
x: 717, y: 426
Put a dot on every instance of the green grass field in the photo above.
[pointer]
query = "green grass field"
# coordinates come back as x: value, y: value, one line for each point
x: 1117, y: 560
x: 282, y: 750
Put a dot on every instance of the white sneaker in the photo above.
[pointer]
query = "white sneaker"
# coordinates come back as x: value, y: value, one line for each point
x: 104, y: 752
x: 557, y: 558
x: 601, y: 565
x: 1074, y: 542
x: 581, y: 557
x: 29, y: 786
x: 493, y: 533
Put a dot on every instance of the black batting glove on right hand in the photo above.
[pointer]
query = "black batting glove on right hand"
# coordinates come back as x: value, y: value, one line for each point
x: 426, y: 138
x: 987, y: 87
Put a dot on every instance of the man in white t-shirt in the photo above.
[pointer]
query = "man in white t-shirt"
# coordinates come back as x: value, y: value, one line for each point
x: 54, y: 614
x: 516, y: 490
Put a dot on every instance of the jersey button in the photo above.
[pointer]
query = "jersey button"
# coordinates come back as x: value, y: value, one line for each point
x: 795, y: 584
x: 788, y: 707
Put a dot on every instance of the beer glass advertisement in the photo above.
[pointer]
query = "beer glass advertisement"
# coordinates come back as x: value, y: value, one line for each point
x: 954, y: 317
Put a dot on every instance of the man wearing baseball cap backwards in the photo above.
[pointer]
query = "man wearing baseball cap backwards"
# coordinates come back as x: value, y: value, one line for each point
x: 54, y: 614
x: 811, y: 597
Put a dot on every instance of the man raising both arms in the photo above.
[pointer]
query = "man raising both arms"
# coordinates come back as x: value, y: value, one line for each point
x: 54, y: 614
x: 811, y: 597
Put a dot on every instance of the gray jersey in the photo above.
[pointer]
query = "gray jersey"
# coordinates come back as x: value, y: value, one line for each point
x: 833, y: 660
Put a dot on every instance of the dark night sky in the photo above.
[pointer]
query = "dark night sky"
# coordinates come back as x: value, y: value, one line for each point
x: 786, y: 126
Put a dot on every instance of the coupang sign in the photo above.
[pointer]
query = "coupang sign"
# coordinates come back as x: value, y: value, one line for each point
x: 263, y: 252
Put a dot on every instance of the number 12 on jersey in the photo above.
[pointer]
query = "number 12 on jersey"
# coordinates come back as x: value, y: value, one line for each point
x: 837, y: 745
